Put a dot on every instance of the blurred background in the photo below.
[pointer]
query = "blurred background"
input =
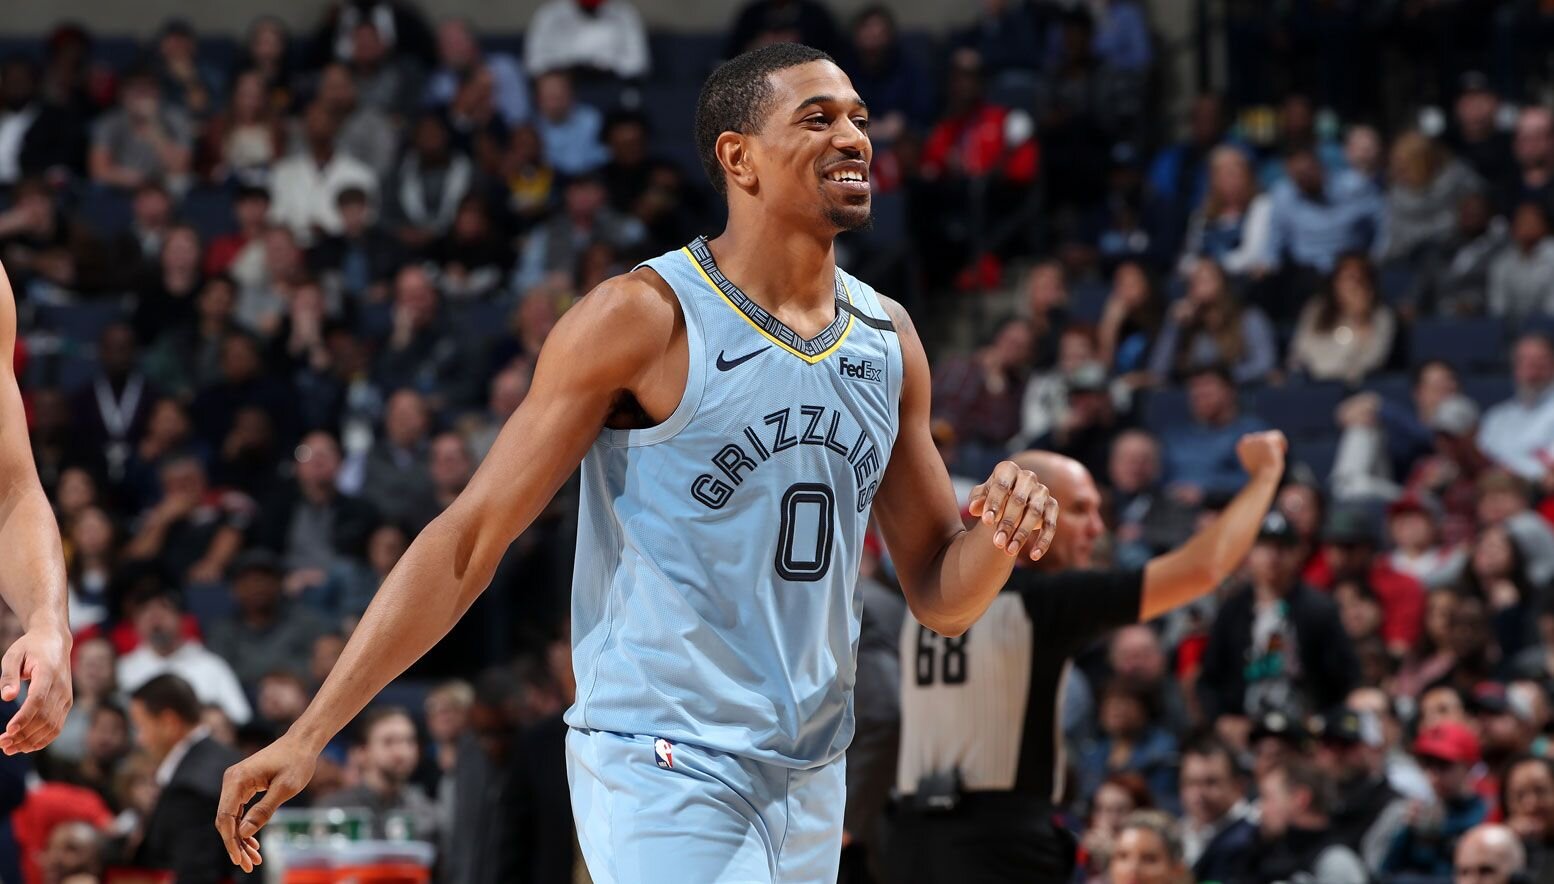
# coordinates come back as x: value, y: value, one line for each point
x: 282, y: 275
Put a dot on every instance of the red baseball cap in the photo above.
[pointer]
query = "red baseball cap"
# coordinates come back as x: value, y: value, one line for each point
x: 1450, y: 741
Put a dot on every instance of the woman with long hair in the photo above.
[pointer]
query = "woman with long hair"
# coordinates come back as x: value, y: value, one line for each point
x: 1346, y: 333
x: 1497, y: 573
x: 245, y: 141
x: 89, y: 566
x: 167, y: 299
x: 1431, y: 657
x: 1230, y: 226
x: 268, y: 51
x: 1130, y: 320
x: 1211, y: 326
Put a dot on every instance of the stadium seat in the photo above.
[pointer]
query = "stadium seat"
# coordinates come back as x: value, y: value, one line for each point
x: 81, y: 323
x: 1087, y: 300
x: 683, y: 58
x: 1488, y: 389
x: 480, y: 321
x: 503, y: 44
x: 1302, y: 411
x: 209, y: 604
x: 1162, y: 409
x: 605, y: 95
x: 107, y: 210
x: 1397, y: 388
x: 119, y: 53
x: 66, y: 370
x: 408, y: 693
x: 1316, y: 453
x: 1469, y: 344
x: 209, y: 209
x: 1396, y: 282
x: 219, y: 52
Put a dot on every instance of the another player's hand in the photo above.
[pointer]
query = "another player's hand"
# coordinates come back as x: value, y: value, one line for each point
x: 1263, y: 453
x: 280, y: 771
x: 42, y: 659
x: 1019, y: 506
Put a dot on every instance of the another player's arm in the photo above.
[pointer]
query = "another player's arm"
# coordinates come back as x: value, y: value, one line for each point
x: 608, y: 343
x: 1210, y: 556
x: 32, y: 582
x: 948, y: 573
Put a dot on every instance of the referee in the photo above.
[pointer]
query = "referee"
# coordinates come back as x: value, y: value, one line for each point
x: 980, y: 764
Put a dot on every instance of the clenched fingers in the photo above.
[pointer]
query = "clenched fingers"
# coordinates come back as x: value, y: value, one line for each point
x: 1026, y: 494
x: 1032, y: 520
x: 1049, y: 528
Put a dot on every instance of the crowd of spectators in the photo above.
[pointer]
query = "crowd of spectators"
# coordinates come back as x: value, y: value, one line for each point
x: 278, y: 300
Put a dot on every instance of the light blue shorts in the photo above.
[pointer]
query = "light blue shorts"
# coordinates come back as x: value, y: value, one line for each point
x: 648, y: 812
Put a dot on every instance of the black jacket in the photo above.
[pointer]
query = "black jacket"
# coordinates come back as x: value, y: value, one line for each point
x: 181, y: 833
x: 353, y: 520
x: 1226, y: 852
x: 1328, y: 666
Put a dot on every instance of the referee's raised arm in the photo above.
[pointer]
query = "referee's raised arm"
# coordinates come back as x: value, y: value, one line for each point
x: 981, y: 763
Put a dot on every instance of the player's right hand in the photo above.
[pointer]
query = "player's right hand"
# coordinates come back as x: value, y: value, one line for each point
x: 280, y: 771
x: 1263, y: 453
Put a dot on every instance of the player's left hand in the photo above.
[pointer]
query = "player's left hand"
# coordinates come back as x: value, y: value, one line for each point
x: 1020, y: 507
x: 41, y: 657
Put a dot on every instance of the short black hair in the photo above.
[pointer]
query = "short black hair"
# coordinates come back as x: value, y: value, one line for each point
x: 736, y: 95
x: 1207, y: 745
x: 169, y: 693
x: 151, y: 586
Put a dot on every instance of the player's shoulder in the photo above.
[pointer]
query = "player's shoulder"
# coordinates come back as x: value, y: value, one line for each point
x: 623, y: 324
x: 633, y: 306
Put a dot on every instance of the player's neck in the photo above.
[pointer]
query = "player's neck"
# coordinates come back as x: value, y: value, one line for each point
x: 777, y: 267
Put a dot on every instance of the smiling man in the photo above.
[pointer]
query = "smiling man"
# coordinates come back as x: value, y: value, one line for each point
x: 739, y: 407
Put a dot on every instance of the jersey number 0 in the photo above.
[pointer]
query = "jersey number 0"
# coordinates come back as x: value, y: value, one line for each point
x: 804, y: 537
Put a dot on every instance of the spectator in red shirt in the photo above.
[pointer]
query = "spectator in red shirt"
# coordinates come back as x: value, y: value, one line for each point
x: 250, y: 207
x: 976, y: 170
x: 973, y: 137
x: 1350, y: 538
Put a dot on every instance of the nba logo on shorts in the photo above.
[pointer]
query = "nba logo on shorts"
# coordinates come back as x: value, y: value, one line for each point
x: 663, y: 751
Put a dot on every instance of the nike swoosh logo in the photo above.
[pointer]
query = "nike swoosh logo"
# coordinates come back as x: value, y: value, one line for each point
x: 728, y: 364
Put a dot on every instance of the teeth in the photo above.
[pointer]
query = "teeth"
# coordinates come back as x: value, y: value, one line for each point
x: 845, y: 176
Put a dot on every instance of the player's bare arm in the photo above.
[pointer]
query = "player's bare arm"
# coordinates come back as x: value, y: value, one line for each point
x: 623, y: 342
x: 1208, y: 558
x: 33, y: 579
x: 950, y: 574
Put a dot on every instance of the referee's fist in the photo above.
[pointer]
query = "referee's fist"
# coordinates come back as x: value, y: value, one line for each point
x: 1263, y: 453
x: 1015, y: 502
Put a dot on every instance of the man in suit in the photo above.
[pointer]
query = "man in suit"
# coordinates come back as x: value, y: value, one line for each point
x: 179, y: 838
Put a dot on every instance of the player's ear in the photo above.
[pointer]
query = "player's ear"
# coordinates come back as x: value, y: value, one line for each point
x: 734, y: 154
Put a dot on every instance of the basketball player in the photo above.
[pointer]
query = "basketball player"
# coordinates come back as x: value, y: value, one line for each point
x: 32, y: 579
x: 737, y: 405
x: 981, y: 760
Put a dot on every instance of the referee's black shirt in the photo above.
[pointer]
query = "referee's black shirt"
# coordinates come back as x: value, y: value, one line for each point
x: 986, y: 704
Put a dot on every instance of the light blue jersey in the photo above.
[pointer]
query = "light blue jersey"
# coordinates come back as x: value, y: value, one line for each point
x: 714, y: 596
